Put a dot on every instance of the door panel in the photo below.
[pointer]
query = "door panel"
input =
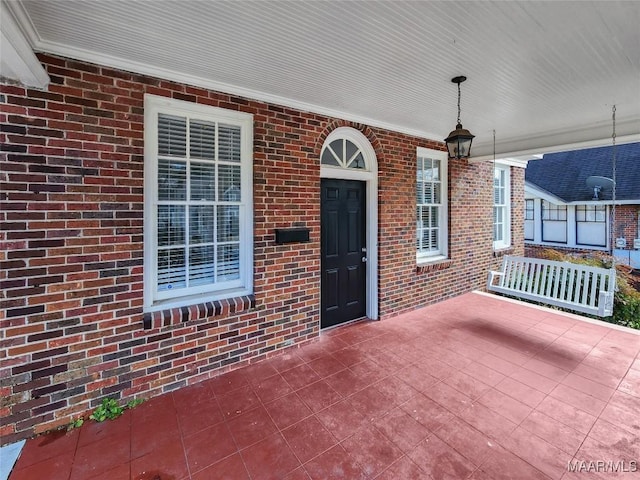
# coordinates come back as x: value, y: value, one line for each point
x: 331, y: 238
x: 343, y: 224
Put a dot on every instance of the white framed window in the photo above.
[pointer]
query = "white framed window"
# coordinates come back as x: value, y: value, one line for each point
x: 529, y: 216
x: 198, y: 222
x: 501, y: 207
x: 432, y: 229
x: 591, y: 226
x: 591, y: 213
x: 343, y: 153
x: 528, y: 209
x: 554, y: 222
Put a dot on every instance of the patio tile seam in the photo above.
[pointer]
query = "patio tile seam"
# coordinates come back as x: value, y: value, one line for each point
x: 569, y: 405
x: 574, y: 457
x: 404, y: 455
x: 477, y: 466
x: 574, y: 372
x: 628, y: 371
x: 584, y: 436
x: 487, y: 463
x: 547, y: 376
x: 49, y: 458
x: 540, y: 439
x: 19, y: 468
x: 184, y: 450
x: 519, y: 400
x: 302, y: 463
x: 371, y: 424
x: 568, y: 315
x: 219, y: 460
x: 235, y: 451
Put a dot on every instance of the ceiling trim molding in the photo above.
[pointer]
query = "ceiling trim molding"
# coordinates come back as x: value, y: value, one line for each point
x: 171, y: 75
x: 546, y: 144
x: 517, y: 146
x: 18, y: 62
x: 510, y: 162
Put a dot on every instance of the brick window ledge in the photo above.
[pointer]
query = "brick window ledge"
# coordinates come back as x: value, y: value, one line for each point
x: 434, y: 266
x: 502, y: 252
x: 201, y: 311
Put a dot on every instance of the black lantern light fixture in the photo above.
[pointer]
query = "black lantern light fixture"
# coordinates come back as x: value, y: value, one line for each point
x: 459, y: 141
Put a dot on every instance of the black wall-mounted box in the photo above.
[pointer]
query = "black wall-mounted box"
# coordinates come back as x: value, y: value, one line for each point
x: 291, y: 235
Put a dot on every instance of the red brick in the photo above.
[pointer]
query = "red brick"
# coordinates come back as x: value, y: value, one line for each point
x: 91, y: 145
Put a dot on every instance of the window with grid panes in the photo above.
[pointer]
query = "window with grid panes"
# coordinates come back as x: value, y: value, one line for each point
x: 431, y: 205
x: 554, y: 222
x: 591, y: 213
x: 554, y: 212
x: 529, y: 214
x: 591, y: 228
x: 528, y: 209
x: 501, y: 211
x: 198, y: 227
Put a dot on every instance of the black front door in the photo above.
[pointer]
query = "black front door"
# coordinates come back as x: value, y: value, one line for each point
x: 343, y: 250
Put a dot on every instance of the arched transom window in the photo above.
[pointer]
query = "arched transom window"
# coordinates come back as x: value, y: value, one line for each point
x: 343, y: 153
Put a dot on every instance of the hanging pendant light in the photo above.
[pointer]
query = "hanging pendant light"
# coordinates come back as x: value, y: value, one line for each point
x: 459, y: 140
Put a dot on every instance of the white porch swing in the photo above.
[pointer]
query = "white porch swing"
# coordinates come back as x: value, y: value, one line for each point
x: 580, y: 288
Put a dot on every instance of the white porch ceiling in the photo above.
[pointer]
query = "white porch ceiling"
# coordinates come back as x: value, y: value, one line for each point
x: 543, y: 74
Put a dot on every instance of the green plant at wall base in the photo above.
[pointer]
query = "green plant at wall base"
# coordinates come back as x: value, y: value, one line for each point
x: 107, y: 410
x: 110, y: 409
x: 134, y: 402
x: 77, y: 423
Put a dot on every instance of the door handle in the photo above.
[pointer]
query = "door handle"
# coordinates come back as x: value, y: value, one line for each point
x: 364, y: 259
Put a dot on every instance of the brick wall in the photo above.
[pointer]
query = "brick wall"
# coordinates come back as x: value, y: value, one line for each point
x: 72, y: 245
x: 626, y: 225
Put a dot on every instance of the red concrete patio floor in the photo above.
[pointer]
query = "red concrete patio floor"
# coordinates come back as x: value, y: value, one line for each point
x: 474, y: 387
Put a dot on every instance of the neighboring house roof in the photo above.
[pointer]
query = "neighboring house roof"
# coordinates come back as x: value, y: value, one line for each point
x: 565, y: 174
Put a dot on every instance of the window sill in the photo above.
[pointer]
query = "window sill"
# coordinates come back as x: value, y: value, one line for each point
x: 501, y: 252
x: 199, y: 311
x: 433, y: 265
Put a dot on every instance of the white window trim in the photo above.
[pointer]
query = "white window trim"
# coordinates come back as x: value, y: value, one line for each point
x: 153, y: 105
x: 506, y: 234
x: 423, y: 258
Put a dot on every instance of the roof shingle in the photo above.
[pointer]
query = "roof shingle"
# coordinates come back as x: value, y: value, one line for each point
x: 565, y: 174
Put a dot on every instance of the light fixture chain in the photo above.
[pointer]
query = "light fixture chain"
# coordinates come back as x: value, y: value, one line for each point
x: 459, y: 103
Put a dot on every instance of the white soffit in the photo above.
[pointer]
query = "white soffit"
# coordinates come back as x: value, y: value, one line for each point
x: 17, y: 61
x: 541, y: 74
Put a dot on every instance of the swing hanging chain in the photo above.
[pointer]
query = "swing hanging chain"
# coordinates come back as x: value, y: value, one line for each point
x: 613, y: 177
x: 493, y: 188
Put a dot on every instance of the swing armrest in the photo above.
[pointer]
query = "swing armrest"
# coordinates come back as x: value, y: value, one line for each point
x: 492, y: 275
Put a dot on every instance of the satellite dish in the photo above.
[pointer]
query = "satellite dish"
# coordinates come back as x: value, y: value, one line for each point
x: 598, y: 184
